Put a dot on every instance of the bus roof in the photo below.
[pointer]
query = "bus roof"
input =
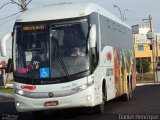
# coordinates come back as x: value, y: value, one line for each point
x: 64, y: 11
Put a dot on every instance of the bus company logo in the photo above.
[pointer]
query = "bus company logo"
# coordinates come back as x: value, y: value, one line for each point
x: 109, y: 56
x: 28, y: 87
x: 50, y: 94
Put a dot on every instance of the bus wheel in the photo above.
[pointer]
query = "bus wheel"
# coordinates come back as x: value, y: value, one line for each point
x: 128, y: 95
x: 37, y: 115
x: 99, y: 109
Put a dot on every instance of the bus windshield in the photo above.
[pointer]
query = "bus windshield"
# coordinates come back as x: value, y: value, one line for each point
x: 58, y: 50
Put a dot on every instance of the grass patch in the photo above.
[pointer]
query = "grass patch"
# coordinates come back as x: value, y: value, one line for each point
x: 6, y: 90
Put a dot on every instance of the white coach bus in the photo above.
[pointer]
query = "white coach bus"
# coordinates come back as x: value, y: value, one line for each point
x: 70, y: 55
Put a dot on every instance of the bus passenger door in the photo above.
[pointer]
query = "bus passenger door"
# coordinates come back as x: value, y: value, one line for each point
x: 110, y: 83
x: 110, y: 72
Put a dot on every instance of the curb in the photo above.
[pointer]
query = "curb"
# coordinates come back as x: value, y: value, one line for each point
x: 6, y: 95
x: 145, y: 84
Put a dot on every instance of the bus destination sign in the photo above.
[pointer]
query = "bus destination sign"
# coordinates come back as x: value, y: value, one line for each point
x: 33, y: 27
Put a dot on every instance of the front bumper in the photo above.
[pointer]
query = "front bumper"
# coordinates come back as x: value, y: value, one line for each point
x: 84, y: 98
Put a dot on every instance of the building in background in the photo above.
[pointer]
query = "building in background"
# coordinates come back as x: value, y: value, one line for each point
x: 140, y: 28
x: 143, y: 47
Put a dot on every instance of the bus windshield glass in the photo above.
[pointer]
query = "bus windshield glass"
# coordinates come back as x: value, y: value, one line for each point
x: 50, y: 51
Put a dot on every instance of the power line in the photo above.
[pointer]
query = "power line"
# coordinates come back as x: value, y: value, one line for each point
x: 16, y: 3
x: 28, y: 2
x: 5, y: 4
x: 23, y: 7
x: 2, y: 23
x: 9, y: 16
x: 23, y: 4
x: 133, y: 19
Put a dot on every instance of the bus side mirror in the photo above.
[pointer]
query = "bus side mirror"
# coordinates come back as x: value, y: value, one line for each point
x: 3, y: 44
x: 92, y: 36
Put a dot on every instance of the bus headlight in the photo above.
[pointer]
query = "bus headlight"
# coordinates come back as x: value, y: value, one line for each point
x: 84, y: 86
x: 20, y: 92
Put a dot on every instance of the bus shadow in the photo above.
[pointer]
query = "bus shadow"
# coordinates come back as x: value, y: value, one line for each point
x: 72, y: 113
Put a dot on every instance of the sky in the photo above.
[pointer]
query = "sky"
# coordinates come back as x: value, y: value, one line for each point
x: 138, y: 10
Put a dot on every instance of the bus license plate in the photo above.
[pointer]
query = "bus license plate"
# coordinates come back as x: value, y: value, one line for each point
x: 51, y: 103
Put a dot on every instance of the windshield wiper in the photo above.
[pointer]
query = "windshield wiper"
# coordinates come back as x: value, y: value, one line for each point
x: 64, y: 67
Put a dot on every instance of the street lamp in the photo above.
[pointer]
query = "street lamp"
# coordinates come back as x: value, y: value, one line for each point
x: 122, y: 15
x: 115, y: 6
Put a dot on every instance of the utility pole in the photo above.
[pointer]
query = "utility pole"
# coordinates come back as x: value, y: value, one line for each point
x: 151, y: 37
x: 157, y: 49
x: 152, y: 42
x: 23, y: 5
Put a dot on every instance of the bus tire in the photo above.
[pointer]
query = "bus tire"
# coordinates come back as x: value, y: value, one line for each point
x: 99, y: 109
x: 37, y: 115
x: 127, y: 96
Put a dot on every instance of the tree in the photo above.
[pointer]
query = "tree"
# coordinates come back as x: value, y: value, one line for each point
x: 142, y: 66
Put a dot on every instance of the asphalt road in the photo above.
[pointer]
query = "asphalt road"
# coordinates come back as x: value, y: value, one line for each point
x: 144, y: 105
